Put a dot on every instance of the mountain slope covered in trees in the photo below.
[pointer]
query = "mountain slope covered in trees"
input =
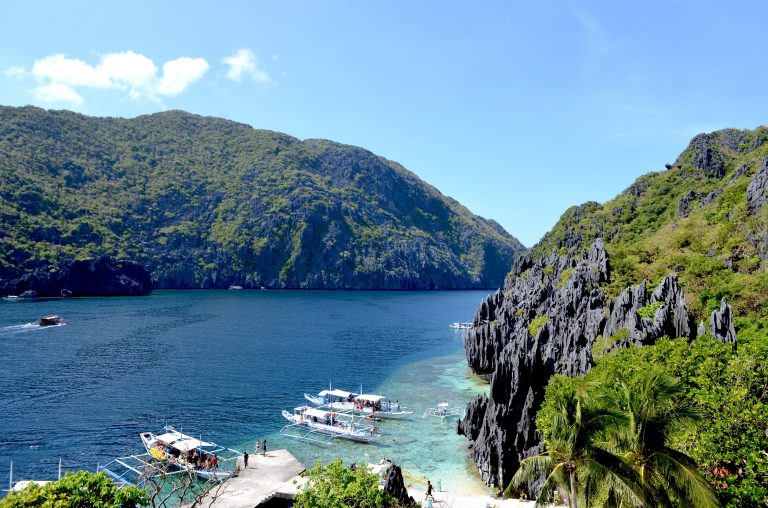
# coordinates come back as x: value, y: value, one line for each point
x: 205, y: 202
x: 670, y: 278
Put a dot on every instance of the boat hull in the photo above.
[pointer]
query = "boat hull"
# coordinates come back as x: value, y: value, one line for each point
x: 331, y: 430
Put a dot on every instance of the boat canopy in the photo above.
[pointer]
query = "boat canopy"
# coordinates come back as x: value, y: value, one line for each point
x: 317, y: 413
x: 337, y: 393
x: 370, y: 398
x: 443, y: 404
x: 182, y: 442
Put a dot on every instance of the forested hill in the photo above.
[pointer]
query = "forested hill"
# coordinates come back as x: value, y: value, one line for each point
x: 206, y: 203
x: 668, y: 279
x: 701, y: 217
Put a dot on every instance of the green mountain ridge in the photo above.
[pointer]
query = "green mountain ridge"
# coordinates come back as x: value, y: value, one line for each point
x: 205, y: 202
x: 692, y: 219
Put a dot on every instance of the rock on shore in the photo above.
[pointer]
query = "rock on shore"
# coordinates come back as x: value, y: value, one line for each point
x: 94, y: 277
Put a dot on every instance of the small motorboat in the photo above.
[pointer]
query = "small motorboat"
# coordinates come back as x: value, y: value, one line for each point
x: 442, y: 411
x: 50, y: 320
x: 461, y: 326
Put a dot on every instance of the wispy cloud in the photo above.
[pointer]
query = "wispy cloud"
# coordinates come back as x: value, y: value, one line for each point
x: 16, y: 71
x: 244, y: 64
x: 60, y: 78
x: 595, y: 39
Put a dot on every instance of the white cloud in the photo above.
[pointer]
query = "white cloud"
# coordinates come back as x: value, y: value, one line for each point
x: 244, y: 63
x: 59, y: 76
x: 180, y: 73
x: 16, y: 71
x: 57, y: 92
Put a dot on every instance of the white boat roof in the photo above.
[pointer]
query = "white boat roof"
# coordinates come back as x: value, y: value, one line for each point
x: 182, y: 442
x: 370, y: 398
x: 338, y: 393
x: 318, y: 413
x: 443, y: 404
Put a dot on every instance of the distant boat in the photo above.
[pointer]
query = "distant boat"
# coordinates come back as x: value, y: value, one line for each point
x: 442, y: 411
x: 11, y: 298
x: 50, y: 320
x: 235, y: 287
x: 461, y: 326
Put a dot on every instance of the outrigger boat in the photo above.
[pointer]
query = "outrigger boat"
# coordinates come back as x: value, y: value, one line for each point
x: 307, y: 423
x: 185, y: 453
x: 461, y: 326
x: 443, y: 410
x: 375, y: 406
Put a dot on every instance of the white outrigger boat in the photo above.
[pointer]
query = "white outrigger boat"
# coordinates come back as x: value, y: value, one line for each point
x: 365, y: 404
x: 189, y: 454
x: 308, y: 422
x: 461, y: 326
x: 443, y: 410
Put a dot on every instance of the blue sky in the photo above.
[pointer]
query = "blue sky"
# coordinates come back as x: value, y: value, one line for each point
x: 516, y: 109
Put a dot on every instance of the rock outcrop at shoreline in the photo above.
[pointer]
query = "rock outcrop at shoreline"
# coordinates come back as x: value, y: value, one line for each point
x: 551, y: 318
x: 94, y: 277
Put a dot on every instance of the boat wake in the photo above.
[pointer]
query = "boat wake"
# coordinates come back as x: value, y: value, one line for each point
x: 27, y: 327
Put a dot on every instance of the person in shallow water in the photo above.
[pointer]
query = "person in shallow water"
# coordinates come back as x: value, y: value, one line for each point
x: 429, y: 490
x: 264, y: 447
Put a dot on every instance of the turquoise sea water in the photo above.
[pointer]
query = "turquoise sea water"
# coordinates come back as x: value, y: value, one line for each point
x: 223, y: 364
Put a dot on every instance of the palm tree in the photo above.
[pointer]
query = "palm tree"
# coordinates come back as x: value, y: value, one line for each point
x: 653, y: 410
x: 573, y: 465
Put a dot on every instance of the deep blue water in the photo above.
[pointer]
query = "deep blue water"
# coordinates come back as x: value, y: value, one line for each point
x: 217, y: 363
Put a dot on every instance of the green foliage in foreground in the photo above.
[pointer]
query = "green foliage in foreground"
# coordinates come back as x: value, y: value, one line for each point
x: 729, y: 389
x: 334, y: 486
x: 616, y: 449
x: 76, y: 490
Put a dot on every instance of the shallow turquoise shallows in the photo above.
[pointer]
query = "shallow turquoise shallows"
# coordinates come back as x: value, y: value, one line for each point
x: 222, y: 365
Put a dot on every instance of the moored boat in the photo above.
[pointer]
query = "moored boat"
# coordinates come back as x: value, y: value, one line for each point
x: 364, y: 404
x: 442, y: 411
x: 329, y: 423
x: 461, y: 326
x: 186, y: 453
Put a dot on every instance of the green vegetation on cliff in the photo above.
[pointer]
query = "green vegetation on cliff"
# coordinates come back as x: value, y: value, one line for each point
x: 705, y: 219
x: 206, y: 202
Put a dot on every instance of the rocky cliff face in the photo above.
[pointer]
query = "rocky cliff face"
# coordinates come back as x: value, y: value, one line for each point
x: 551, y: 318
x: 94, y: 277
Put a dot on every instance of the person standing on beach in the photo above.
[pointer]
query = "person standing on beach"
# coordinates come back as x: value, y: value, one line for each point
x: 429, y: 490
x: 258, y: 447
x: 245, y: 459
x: 264, y: 447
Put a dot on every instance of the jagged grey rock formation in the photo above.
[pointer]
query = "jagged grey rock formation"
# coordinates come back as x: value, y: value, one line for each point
x: 706, y: 158
x: 721, y: 324
x: 757, y: 191
x: 394, y: 484
x: 547, y: 321
x: 685, y: 202
x: 92, y: 277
